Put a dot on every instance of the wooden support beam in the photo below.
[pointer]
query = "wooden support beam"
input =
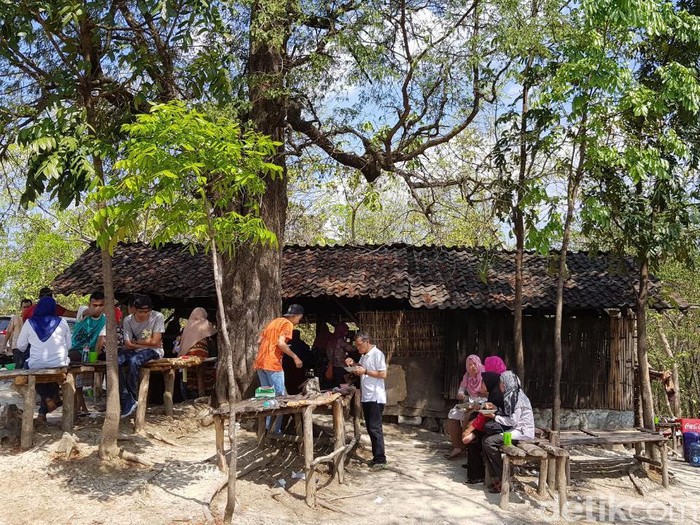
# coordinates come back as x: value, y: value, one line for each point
x: 68, y: 402
x: 309, y: 457
x: 28, y: 402
x: 169, y: 377
x: 339, y: 438
x: 664, y: 464
x: 220, y: 451
x: 561, y: 481
x: 505, y: 483
x: 542, y: 479
x: 140, y: 419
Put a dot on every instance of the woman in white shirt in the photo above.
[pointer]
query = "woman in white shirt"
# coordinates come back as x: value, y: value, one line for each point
x: 516, y: 417
x: 49, y: 338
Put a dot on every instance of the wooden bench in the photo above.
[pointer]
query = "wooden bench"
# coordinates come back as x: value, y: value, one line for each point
x: 26, y: 381
x: 166, y: 366
x: 535, y: 451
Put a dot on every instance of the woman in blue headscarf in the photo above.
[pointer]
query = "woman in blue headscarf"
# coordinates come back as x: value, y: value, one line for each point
x: 48, y: 336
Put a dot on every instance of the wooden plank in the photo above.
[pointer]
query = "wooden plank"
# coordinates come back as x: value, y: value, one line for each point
x: 309, y: 470
x: 140, y: 419
x: 357, y: 412
x: 29, y: 395
x: 532, y: 450
x: 169, y: 378
x: 512, y: 450
x: 69, y: 402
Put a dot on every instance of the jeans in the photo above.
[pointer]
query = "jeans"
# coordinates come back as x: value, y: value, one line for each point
x: 130, y: 363
x: 274, y: 379
x: 373, y: 420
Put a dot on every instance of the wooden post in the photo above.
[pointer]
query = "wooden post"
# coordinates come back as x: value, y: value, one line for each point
x: 29, y: 395
x: 69, y: 402
x: 200, y: 381
x: 261, y: 431
x: 97, y: 384
x: 552, y: 465
x: 339, y: 437
x: 505, y: 482
x: 664, y: 463
x: 561, y: 481
x: 169, y: 377
x: 542, y: 480
x: 220, y: 451
x: 357, y: 409
x: 140, y: 419
x: 299, y: 428
x: 309, y: 470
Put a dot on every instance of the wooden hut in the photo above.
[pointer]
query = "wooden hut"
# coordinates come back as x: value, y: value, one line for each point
x: 428, y: 307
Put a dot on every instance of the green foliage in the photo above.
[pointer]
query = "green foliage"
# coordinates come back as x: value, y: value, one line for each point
x: 200, y: 178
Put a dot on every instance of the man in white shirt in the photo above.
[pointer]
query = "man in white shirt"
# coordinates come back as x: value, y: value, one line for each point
x: 143, y: 341
x: 372, y: 372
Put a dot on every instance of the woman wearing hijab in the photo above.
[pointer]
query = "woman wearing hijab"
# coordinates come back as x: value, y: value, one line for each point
x: 469, y: 389
x: 50, y: 340
x: 516, y: 415
x: 475, y: 432
x: 193, y: 340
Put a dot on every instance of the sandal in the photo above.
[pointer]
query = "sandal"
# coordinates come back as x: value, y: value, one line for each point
x: 495, y: 487
x: 52, y: 404
x: 454, y: 454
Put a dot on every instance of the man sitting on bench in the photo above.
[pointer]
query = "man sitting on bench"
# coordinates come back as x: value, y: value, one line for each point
x: 143, y: 341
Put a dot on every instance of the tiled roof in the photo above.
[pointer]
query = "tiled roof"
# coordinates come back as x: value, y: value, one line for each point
x: 423, y: 276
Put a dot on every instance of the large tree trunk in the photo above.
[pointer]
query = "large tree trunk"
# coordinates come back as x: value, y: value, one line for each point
x: 252, y: 276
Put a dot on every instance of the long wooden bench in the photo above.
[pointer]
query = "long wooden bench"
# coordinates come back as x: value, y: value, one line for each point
x: 166, y: 366
x: 26, y: 381
x: 535, y: 451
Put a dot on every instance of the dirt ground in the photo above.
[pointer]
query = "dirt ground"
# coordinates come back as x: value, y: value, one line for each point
x: 41, y: 486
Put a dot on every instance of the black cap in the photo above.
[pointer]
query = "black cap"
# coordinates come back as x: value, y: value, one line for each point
x: 45, y: 291
x: 294, y: 309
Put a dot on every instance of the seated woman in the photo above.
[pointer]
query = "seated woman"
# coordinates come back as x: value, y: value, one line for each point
x: 469, y: 389
x: 492, y: 365
x: 50, y: 340
x: 194, y: 339
x: 516, y: 415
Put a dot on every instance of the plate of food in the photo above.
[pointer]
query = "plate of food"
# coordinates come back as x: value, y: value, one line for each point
x: 467, y: 405
x: 487, y: 411
x: 350, y: 368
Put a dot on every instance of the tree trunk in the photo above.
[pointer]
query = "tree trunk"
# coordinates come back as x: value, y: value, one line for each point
x: 252, y: 275
x: 676, y: 401
x: 110, y: 428
x: 642, y: 357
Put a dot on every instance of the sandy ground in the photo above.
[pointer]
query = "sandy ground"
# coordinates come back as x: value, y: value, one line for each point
x: 41, y: 486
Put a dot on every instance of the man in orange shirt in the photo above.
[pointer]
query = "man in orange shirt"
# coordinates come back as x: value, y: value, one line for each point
x: 272, y: 346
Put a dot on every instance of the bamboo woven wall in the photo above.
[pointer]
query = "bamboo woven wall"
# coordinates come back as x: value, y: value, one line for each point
x: 598, y: 355
x: 406, y: 333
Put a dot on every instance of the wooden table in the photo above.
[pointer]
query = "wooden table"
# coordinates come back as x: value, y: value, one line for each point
x: 167, y: 367
x: 302, y: 407
x: 26, y: 381
x: 621, y: 437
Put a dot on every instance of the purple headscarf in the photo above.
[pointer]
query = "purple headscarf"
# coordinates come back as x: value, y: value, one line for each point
x: 44, y: 320
x: 472, y: 384
x: 494, y: 364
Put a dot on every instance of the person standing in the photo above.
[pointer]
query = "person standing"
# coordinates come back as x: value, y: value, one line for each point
x: 60, y: 310
x: 143, y: 342
x: 13, y: 331
x: 273, y: 343
x: 372, y: 371
x: 337, y: 352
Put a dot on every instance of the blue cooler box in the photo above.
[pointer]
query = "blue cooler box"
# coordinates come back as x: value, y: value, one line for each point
x: 691, y: 439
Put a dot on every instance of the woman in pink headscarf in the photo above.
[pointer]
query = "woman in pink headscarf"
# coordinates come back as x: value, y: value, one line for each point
x: 493, y: 366
x: 469, y: 389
